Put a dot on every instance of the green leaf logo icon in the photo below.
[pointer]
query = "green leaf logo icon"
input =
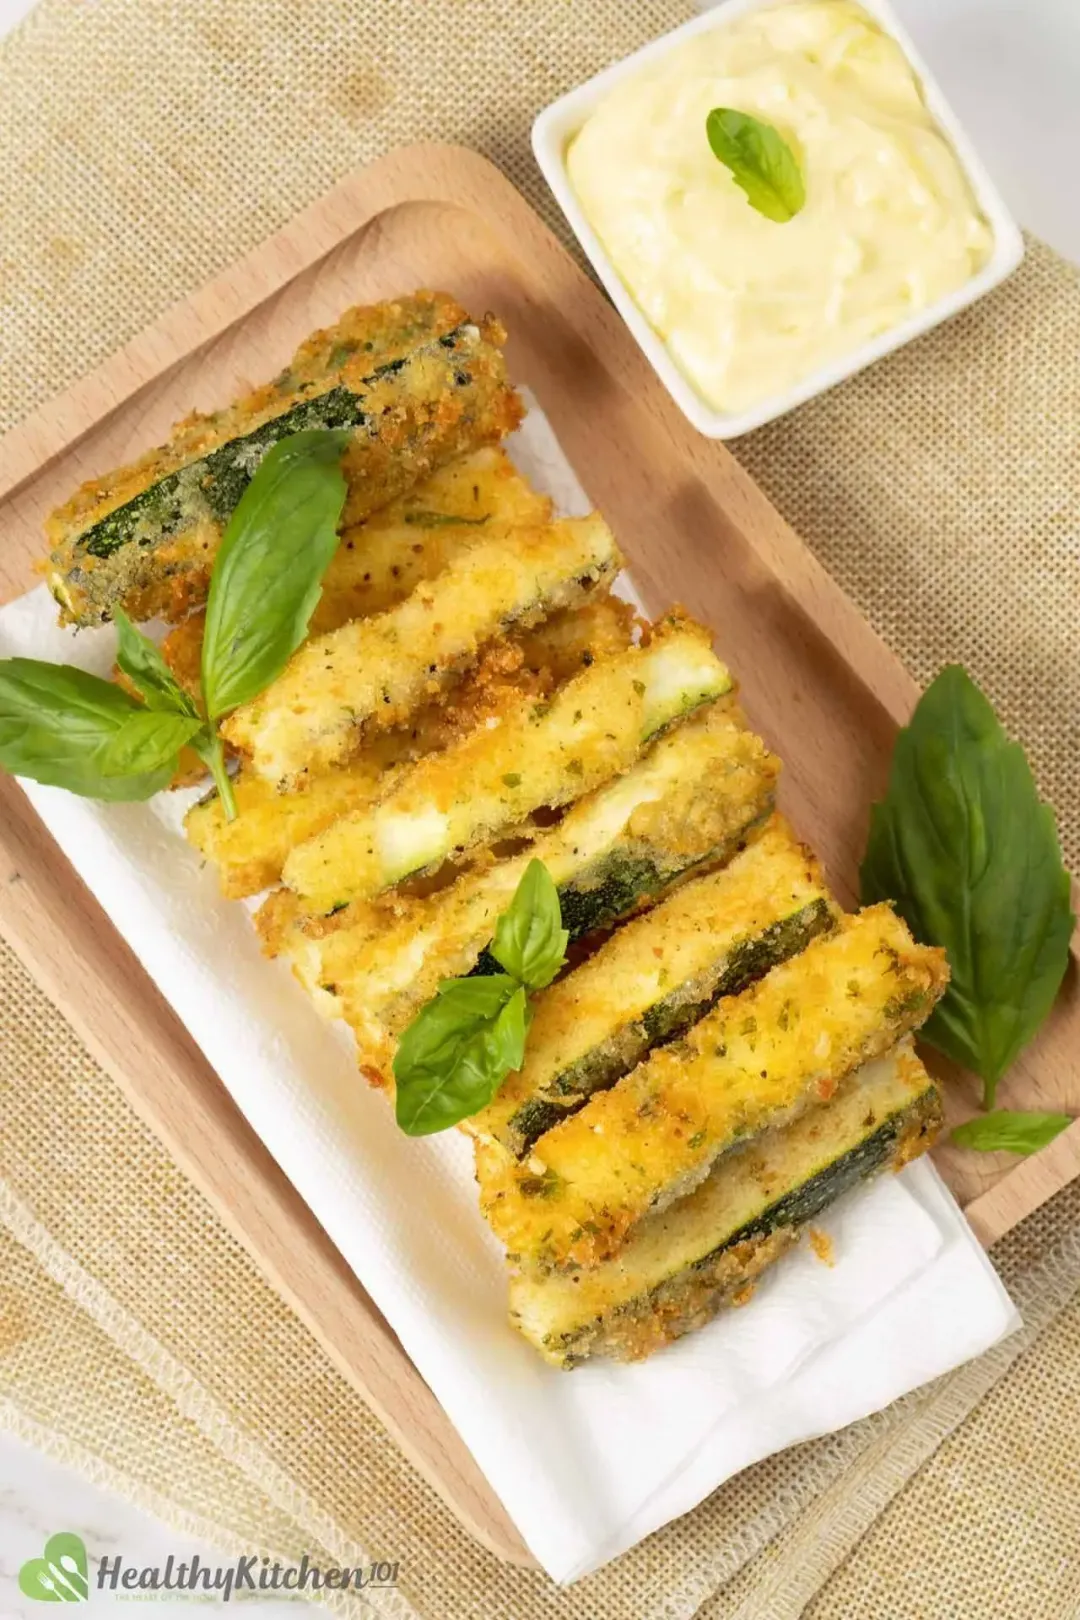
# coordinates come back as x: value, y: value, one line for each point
x: 59, y: 1575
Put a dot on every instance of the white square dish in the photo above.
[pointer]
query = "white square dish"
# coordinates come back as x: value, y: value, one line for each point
x: 556, y: 126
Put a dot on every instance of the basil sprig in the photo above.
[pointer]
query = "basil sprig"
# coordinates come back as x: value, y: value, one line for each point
x: 761, y: 162
x: 76, y: 731
x: 530, y: 940
x: 69, y: 729
x: 1006, y: 1132
x: 463, y: 1043
x: 969, y: 853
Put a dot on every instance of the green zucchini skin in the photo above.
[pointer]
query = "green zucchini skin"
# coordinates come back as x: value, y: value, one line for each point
x: 663, y: 1022
x: 887, y: 1115
x: 791, y: 1213
x: 624, y: 882
x: 801, y: 1204
x: 408, y: 411
x: 212, y: 487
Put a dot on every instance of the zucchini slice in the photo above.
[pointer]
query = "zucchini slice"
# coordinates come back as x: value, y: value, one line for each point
x: 373, y: 673
x: 416, y: 380
x: 691, y: 802
x: 534, y: 754
x: 383, y: 559
x: 656, y: 977
x: 250, y: 851
x: 380, y: 561
x: 680, y: 1267
x: 755, y: 1062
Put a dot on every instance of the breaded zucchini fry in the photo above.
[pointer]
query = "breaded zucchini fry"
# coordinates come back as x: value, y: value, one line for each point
x: 756, y: 1062
x: 373, y: 673
x: 531, y: 755
x: 691, y: 802
x: 383, y: 559
x: 681, y: 1266
x: 251, y: 850
x: 656, y: 977
x: 577, y: 637
x: 416, y: 380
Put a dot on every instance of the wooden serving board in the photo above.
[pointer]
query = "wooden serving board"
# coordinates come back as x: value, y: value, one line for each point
x: 817, y: 682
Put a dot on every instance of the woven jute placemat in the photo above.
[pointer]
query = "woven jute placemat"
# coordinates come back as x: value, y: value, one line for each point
x: 145, y: 144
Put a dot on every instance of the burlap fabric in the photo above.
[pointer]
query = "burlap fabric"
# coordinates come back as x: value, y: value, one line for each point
x: 146, y: 143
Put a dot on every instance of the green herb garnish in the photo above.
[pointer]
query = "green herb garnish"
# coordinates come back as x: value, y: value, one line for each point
x: 142, y: 663
x: 761, y: 162
x: 76, y: 731
x: 969, y: 853
x: 268, y: 574
x: 1007, y: 1132
x: 441, y: 520
x: 69, y: 729
x: 463, y: 1043
x: 530, y: 940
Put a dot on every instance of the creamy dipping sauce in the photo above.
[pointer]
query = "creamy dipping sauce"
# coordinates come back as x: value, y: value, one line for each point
x: 746, y: 306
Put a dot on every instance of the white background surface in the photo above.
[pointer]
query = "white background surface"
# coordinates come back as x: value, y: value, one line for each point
x: 1011, y: 69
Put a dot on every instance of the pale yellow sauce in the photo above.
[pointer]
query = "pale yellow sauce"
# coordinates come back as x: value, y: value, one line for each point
x: 749, y: 307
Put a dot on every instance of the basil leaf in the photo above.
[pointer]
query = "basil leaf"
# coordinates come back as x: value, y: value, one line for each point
x: 57, y: 721
x: 1006, y: 1132
x: 761, y: 162
x: 147, y: 741
x: 970, y: 855
x: 530, y: 941
x: 463, y: 1043
x: 270, y: 564
x: 509, y: 1034
x: 457, y: 1051
x: 142, y: 663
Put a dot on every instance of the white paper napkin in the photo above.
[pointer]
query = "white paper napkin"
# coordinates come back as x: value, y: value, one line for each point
x: 589, y: 1462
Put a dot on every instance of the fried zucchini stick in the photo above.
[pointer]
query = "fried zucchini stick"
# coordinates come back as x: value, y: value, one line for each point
x: 416, y: 380
x: 250, y: 851
x: 373, y: 673
x: 656, y: 977
x: 756, y: 1062
x: 531, y: 755
x: 383, y: 559
x: 681, y: 1266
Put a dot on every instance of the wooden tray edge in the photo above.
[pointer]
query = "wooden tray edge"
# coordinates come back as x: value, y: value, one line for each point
x: 82, y: 965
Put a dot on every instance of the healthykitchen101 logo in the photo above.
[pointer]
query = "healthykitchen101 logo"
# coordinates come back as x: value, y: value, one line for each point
x: 61, y: 1575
